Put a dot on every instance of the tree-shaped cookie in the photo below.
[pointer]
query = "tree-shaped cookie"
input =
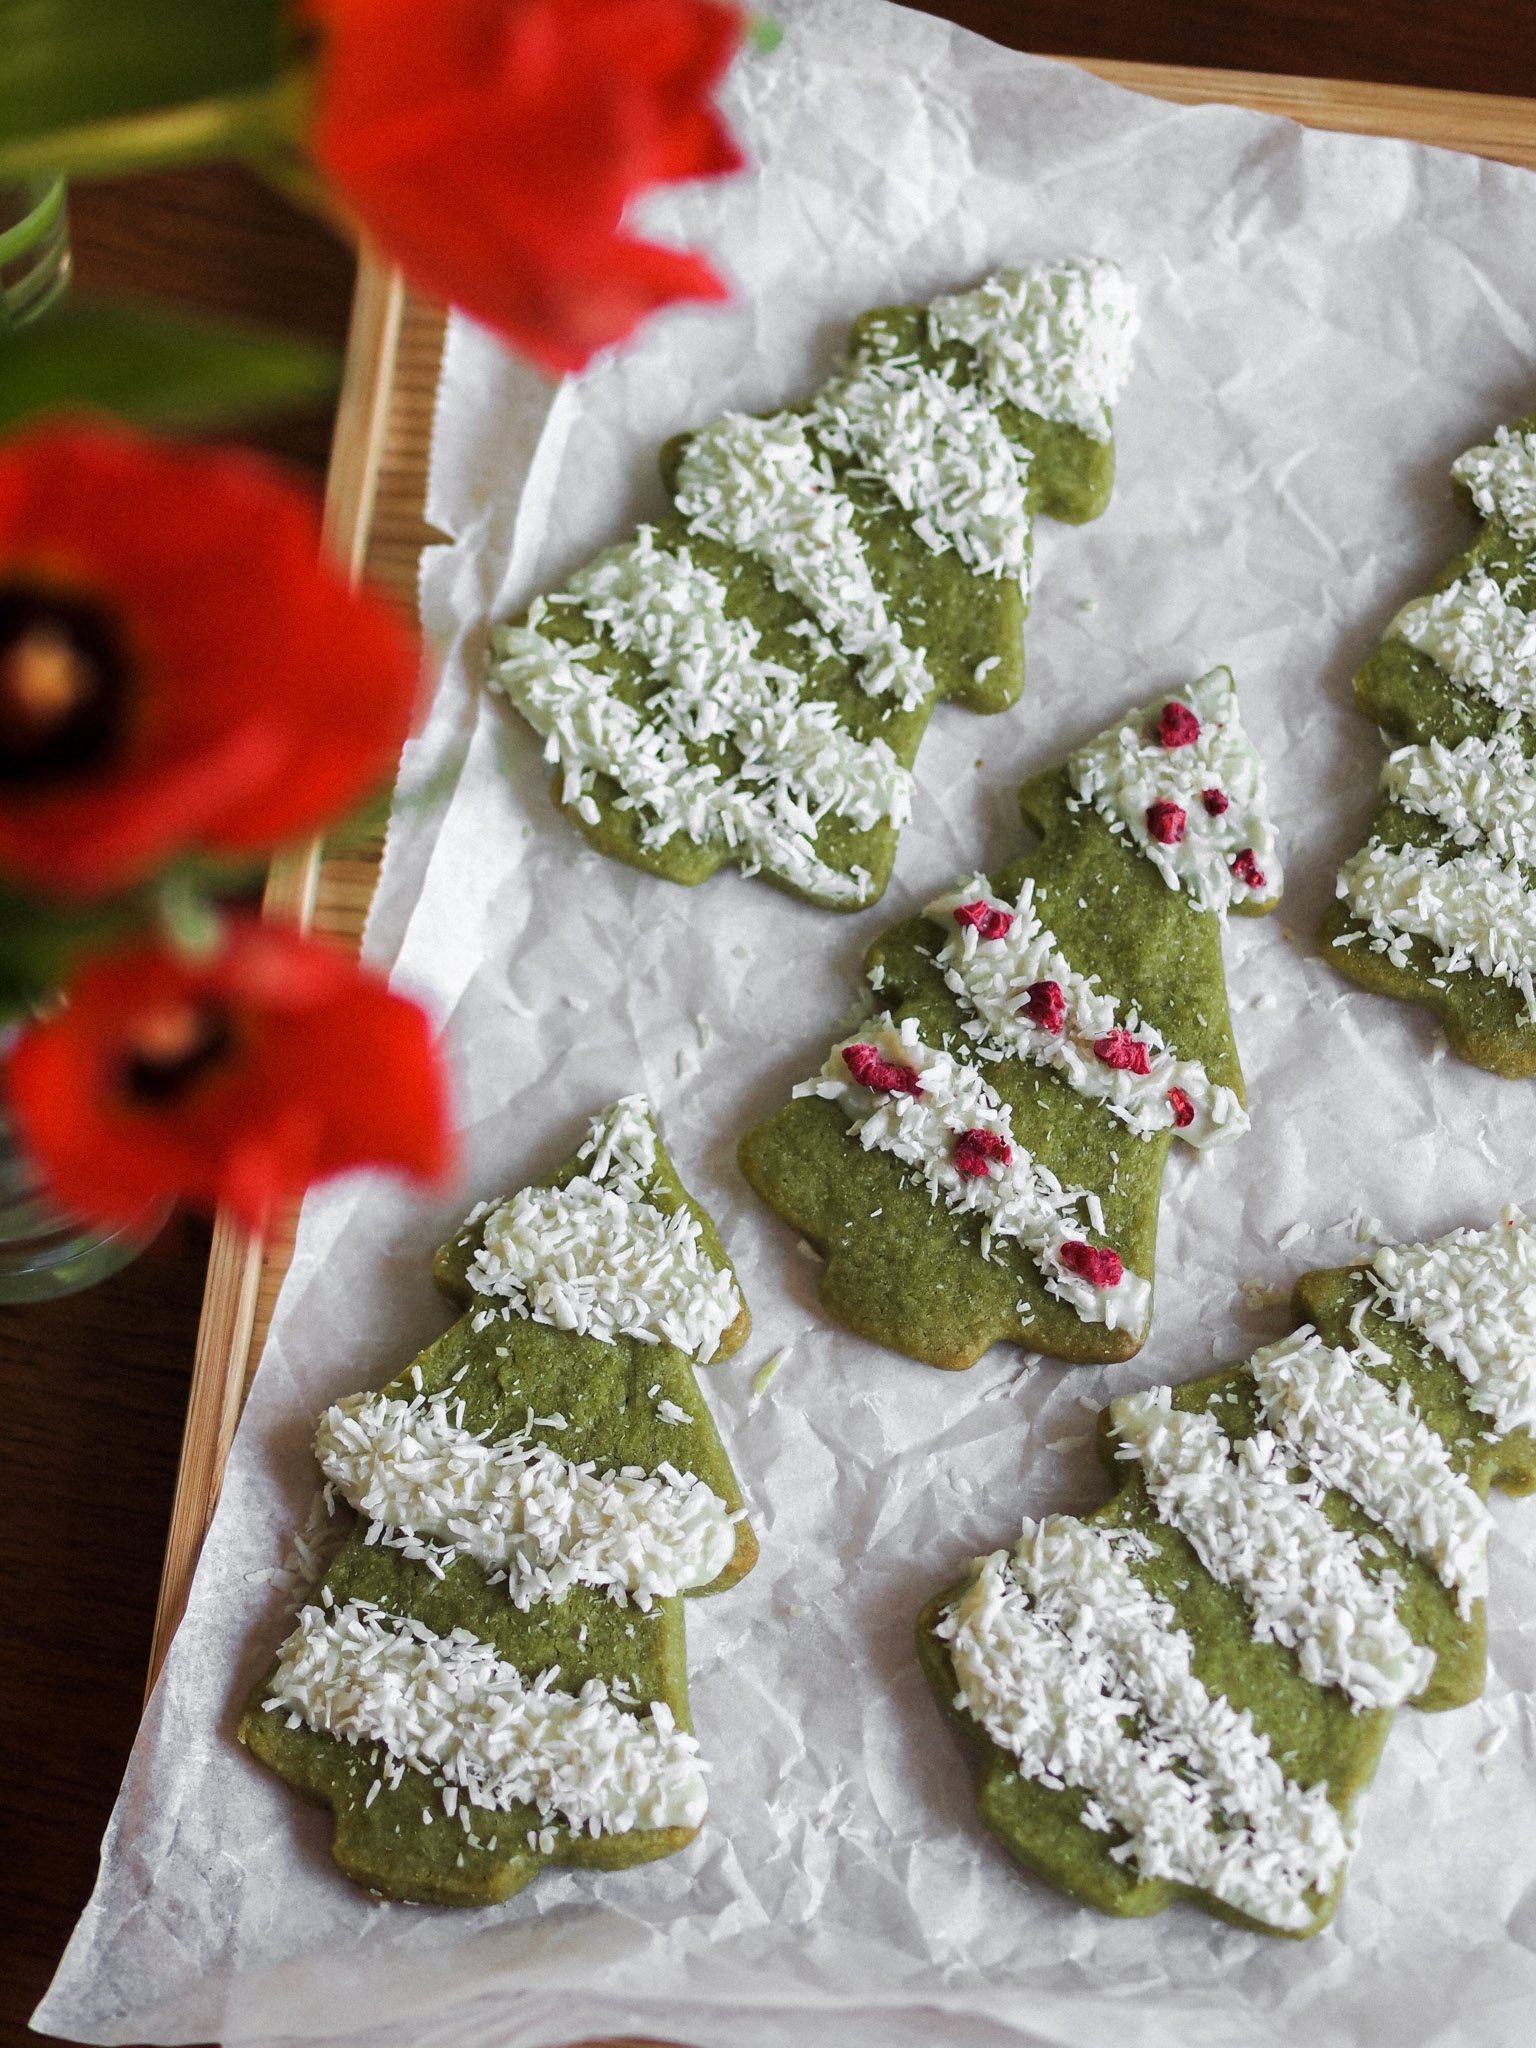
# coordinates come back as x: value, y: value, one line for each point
x: 492, y: 1676
x: 1437, y: 907
x: 749, y: 679
x: 1184, y: 1694
x: 982, y: 1160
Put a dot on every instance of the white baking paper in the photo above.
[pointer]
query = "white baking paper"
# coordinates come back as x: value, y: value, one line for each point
x: 1328, y: 321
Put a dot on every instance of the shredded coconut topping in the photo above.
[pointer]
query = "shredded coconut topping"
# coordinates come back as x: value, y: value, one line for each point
x: 432, y: 1489
x: 1483, y: 791
x: 763, y: 487
x: 1129, y: 769
x: 597, y: 1257
x: 1054, y: 338
x: 1355, y: 1436
x: 1473, y: 1295
x: 1481, y: 640
x: 1016, y: 1198
x: 1474, y: 908
x: 942, y: 455
x: 799, y: 763
x: 993, y: 977
x: 1502, y: 479
x: 451, y: 1709
x: 1266, y: 1535
x: 1057, y: 1649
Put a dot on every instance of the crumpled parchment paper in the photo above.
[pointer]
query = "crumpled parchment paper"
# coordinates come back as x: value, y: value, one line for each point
x: 1328, y: 321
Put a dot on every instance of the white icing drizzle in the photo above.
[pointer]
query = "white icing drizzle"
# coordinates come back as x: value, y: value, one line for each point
x: 449, y: 1707
x: 1501, y: 476
x: 1481, y: 640
x: 1265, y: 1535
x: 1472, y: 1294
x: 763, y: 487
x: 799, y: 762
x: 1475, y: 909
x: 1056, y: 1650
x: 1054, y: 338
x: 942, y: 455
x: 432, y: 1489
x: 1483, y: 791
x: 1353, y: 1435
x: 1022, y: 1200
x: 598, y: 1258
x: 1126, y: 770
x: 992, y: 977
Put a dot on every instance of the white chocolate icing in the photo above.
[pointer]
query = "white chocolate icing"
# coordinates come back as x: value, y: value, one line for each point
x: 1022, y: 1200
x: 1474, y: 909
x: 763, y: 487
x: 1501, y: 475
x: 992, y: 978
x: 1060, y: 1648
x: 1352, y: 1434
x: 941, y: 454
x: 1472, y: 1294
x: 432, y: 1489
x: 1481, y: 640
x: 1483, y: 791
x: 1265, y: 1535
x: 1053, y: 338
x: 1126, y: 770
x: 599, y: 1258
x: 448, y: 1707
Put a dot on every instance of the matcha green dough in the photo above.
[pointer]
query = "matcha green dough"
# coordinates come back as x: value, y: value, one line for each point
x: 1313, y: 1730
x: 909, y: 1272
x: 781, y: 736
x: 404, y: 1840
x: 1424, y: 699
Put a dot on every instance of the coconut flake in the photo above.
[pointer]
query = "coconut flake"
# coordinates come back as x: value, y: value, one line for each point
x: 1472, y: 1294
x: 1481, y: 640
x: 1483, y: 791
x: 1474, y: 909
x: 1501, y: 477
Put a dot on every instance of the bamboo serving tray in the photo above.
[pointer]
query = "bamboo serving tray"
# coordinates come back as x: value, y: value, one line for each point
x: 374, y: 527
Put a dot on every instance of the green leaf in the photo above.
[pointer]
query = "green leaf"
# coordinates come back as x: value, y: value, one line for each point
x: 66, y: 63
x: 154, y: 368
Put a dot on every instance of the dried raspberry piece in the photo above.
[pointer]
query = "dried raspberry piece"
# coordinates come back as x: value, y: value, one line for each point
x: 973, y: 1150
x: 1098, y: 1266
x: 1045, y: 1005
x: 1121, y: 1050
x: 1177, y: 726
x: 985, y: 921
x: 884, y: 1076
x: 1215, y: 801
x: 1247, y: 869
x: 1165, y: 821
x: 1183, y: 1109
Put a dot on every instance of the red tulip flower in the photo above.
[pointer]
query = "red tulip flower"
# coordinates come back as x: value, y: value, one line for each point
x: 239, y: 1080
x: 179, y: 672
x: 492, y: 147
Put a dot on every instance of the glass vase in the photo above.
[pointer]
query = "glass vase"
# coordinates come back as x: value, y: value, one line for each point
x: 45, y: 1253
x: 34, y: 248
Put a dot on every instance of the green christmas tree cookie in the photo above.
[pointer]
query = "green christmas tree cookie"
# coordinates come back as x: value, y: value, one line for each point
x: 749, y: 679
x: 492, y: 1676
x: 982, y: 1160
x: 1185, y: 1693
x: 1437, y: 907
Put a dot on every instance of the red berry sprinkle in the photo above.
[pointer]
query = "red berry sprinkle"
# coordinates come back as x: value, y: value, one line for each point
x: 871, y: 1071
x: 985, y: 921
x: 1165, y: 822
x: 1100, y: 1268
x: 1045, y: 1005
x: 1120, y: 1049
x: 1183, y: 1109
x: 1177, y: 726
x: 974, y: 1149
x: 1247, y: 869
x: 1215, y: 801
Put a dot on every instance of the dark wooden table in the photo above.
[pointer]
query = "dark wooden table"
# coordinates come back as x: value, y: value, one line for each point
x: 92, y: 1390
